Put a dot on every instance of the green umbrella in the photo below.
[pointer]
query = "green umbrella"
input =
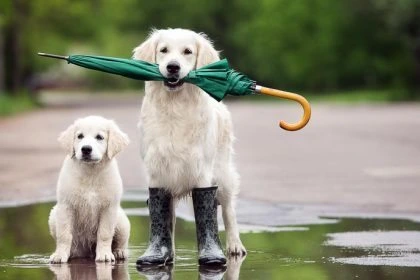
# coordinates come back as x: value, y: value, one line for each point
x: 217, y: 79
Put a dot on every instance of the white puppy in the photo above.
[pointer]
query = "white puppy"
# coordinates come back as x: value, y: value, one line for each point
x: 186, y: 135
x: 87, y: 220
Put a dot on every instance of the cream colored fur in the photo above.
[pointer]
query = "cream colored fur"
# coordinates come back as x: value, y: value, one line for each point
x: 87, y: 220
x: 187, y: 136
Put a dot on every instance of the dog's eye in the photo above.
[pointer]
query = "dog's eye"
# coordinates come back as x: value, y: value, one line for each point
x: 99, y: 137
x: 80, y: 136
x: 164, y: 50
x: 187, y: 51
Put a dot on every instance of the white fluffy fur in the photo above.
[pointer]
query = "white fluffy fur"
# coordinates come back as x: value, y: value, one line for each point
x: 187, y: 136
x: 88, y: 212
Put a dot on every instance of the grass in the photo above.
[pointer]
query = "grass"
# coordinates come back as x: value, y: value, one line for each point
x: 10, y: 105
x: 349, y: 97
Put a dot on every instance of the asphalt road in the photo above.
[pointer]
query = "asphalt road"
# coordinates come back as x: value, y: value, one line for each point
x: 363, y: 156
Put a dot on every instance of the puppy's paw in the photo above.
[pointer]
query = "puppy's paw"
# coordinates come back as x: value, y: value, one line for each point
x: 120, y: 254
x: 59, y: 257
x: 104, y: 256
x: 235, y: 248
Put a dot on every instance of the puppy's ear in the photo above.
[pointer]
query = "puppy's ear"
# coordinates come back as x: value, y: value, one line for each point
x: 147, y: 50
x: 117, y: 140
x: 66, y: 139
x: 206, y: 52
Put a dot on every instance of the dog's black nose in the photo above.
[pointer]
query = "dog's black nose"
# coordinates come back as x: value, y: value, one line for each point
x: 86, y: 150
x: 173, y: 67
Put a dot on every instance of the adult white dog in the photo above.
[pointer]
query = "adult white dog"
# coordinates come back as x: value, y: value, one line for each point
x: 186, y: 144
x: 87, y: 220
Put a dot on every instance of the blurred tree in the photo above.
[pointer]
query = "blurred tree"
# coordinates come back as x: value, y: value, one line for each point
x: 323, y: 45
x: 297, y: 45
x: 2, y: 78
x: 402, y: 19
x: 15, y: 14
x: 30, y: 25
x: 294, y: 44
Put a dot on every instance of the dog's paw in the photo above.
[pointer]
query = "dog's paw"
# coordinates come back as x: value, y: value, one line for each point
x: 104, y: 256
x: 59, y: 257
x: 235, y: 248
x: 120, y: 254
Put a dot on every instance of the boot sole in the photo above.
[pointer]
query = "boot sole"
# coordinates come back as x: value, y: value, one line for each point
x: 212, y: 262
x: 155, y: 262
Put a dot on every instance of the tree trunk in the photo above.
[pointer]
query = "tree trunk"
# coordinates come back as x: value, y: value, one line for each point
x: 13, y: 51
x: 417, y: 62
x: 2, y: 70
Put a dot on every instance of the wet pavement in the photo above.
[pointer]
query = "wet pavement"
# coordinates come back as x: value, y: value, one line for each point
x: 367, y: 156
x: 283, y: 242
x: 336, y: 200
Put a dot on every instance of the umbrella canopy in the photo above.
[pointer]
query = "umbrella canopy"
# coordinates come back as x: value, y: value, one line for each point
x: 217, y: 79
x: 134, y: 69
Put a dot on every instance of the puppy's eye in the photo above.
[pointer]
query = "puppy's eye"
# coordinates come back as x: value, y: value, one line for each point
x: 80, y: 136
x: 99, y: 137
x: 187, y: 51
x: 164, y: 50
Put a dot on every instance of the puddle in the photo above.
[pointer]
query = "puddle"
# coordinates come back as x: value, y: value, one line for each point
x: 391, y: 248
x: 283, y: 242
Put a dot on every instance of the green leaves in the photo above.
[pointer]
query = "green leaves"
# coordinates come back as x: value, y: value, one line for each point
x: 297, y: 45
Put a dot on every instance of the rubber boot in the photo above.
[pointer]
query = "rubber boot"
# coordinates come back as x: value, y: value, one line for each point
x: 205, y: 211
x: 160, y: 251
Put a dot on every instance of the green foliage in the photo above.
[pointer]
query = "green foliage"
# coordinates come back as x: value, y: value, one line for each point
x: 322, y: 45
x: 318, y: 45
x: 14, y: 104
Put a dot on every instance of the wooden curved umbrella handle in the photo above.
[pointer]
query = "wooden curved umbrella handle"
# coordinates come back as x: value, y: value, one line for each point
x: 292, y: 96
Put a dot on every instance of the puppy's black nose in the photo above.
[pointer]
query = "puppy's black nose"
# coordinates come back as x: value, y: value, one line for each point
x: 173, y: 67
x: 86, y: 150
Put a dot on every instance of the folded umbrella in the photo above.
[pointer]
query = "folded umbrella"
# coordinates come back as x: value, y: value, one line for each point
x: 217, y: 79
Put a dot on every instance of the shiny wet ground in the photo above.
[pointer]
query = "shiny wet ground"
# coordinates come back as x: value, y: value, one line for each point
x: 331, y: 248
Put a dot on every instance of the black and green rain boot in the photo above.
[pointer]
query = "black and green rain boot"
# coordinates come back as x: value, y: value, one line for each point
x: 160, y: 251
x: 205, y: 211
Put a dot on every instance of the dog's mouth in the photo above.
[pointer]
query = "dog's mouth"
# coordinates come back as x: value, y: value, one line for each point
x: 88, y: 159
x: 173, y: 83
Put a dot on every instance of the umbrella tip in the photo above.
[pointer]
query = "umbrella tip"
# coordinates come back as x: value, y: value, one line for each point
x: 53, y: 55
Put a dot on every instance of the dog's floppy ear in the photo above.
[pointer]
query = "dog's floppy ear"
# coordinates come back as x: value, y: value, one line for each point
x: 147, y: 50
x: 117, y: 140
x: 206, y: 52
x: 66, y: 139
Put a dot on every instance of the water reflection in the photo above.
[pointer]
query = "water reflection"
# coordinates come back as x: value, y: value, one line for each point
x: 229, y: 272
x: 25, y: 244
x: 234, y: 267
x: 211, y: 273
x: 156, y: 272
x: 82, y: 269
